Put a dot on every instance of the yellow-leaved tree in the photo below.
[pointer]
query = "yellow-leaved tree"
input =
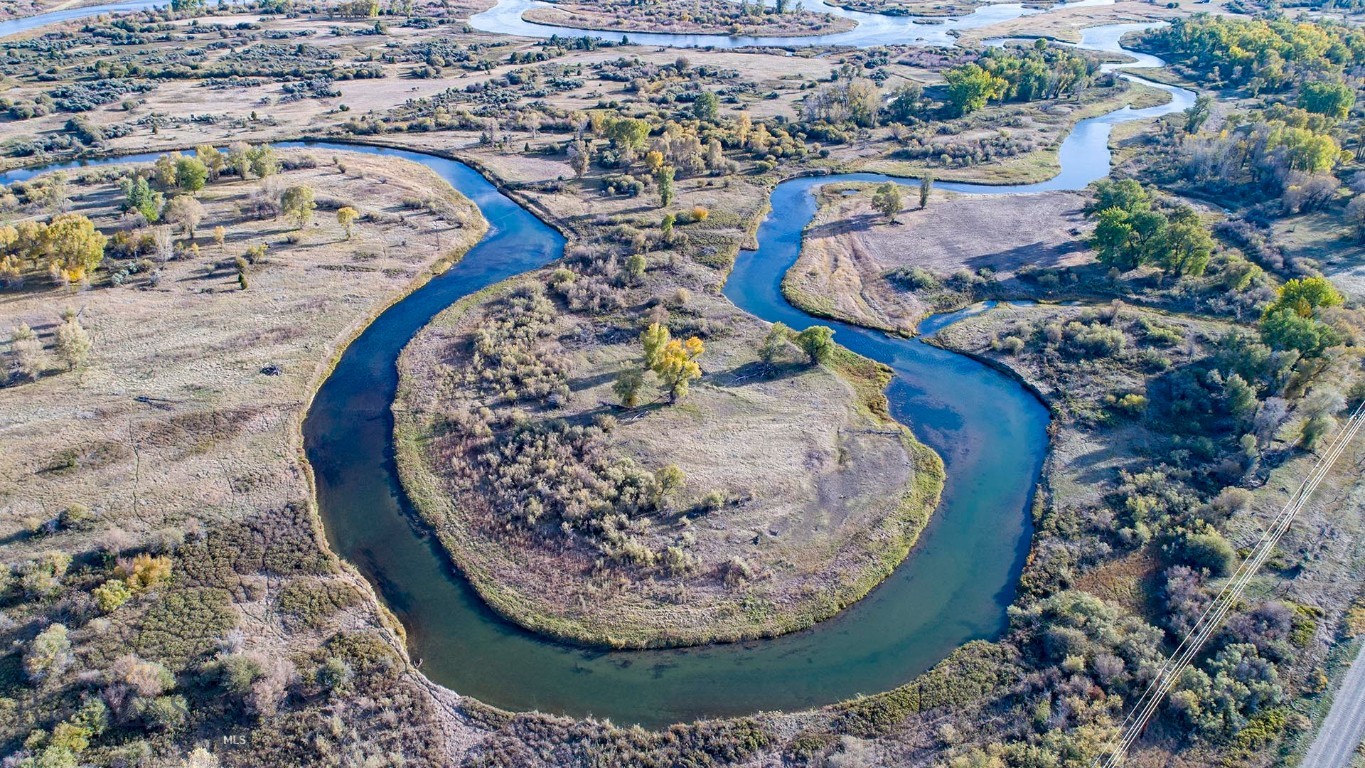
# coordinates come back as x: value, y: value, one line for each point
x: 673, y: 361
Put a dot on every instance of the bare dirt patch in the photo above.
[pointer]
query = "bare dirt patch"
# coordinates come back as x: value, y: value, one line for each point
x: 850, y: 251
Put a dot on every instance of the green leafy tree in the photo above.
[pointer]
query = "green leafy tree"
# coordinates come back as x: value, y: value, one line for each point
x: 1286, y: 329
x: 627, y: 133
x: 1332, y: 98
x: 887, y: 200
x: 1198, y: 113
x: 970, y: 87
x: 635, y: 266
x: 926, y: 187
x: 777, y: 340
x: 297, y: 203
x: 139, y: 196
x: 190, y: 174
x: 664, y: 176
x: 262, y: 161
x: 817, y: 342
x: 707, y: 107
x: 628, y: 385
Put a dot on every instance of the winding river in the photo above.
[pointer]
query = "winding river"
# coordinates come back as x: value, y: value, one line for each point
x: 954, y: 587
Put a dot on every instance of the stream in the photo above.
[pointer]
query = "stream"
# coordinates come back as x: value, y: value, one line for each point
x: 954, y: 586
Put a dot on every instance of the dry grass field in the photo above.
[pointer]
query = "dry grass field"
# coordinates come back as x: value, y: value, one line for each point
x: 849, y: 249
x: 184, y: 423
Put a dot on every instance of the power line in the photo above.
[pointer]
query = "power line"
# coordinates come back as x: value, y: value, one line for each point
x: 1213, y: 615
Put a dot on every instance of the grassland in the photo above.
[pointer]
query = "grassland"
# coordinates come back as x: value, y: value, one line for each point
x: 795, y: 472
x: 181, y: 435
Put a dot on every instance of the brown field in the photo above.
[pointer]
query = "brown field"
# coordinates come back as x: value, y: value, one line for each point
x: 849, y: 248
x: 186, y: 418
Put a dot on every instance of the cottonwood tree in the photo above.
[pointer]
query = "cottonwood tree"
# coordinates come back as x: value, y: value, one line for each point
x: 185, y: 212
x: 673, y: 361
x: 72, y: 245
x: 190, y: 174
x: 887, y: 200
x: 817, y: 342
x: 627, y: 386
x: 297, y: 204
x: 139, y: 196
x: 665, y: 176
x: 346, y: 217
x: 579, y: 157
x: 777, y: 340
x: 73, y: 342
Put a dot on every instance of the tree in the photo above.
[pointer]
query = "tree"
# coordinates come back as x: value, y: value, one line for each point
x: 673, y: 361
x: 185, y: 212
x: 970, y: 87
x: 219, y: 236
x: 139, y: 196
x: 346, y: 216
x: 190, y: 174
x: 26, y: 353
x: 262, y: 160
x: 579, y: 158
x: 817, y: 342
x: 1188, y: 247
x: 778, y: 339
x: 73, y: 246
x: 635, y: 266
x: 1306, y: 295
x: 627, y: 386
x: 887, y: 200
x: 665, y: 176
x: 73, y: 343
x: 1285, y: 329
x: 163, y: 170
x: 1126, y: 195
x: 1198, y: 113
x: 627, y: 133
x: 1112, y: 237
x: 654, y: 339
x: 212, y: 159
x: 678, y: 367
x: 707, y: 107
x: 1334, y: 99
x: 926, y: 186
x: 239, y: 159
x: 297, y: 203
